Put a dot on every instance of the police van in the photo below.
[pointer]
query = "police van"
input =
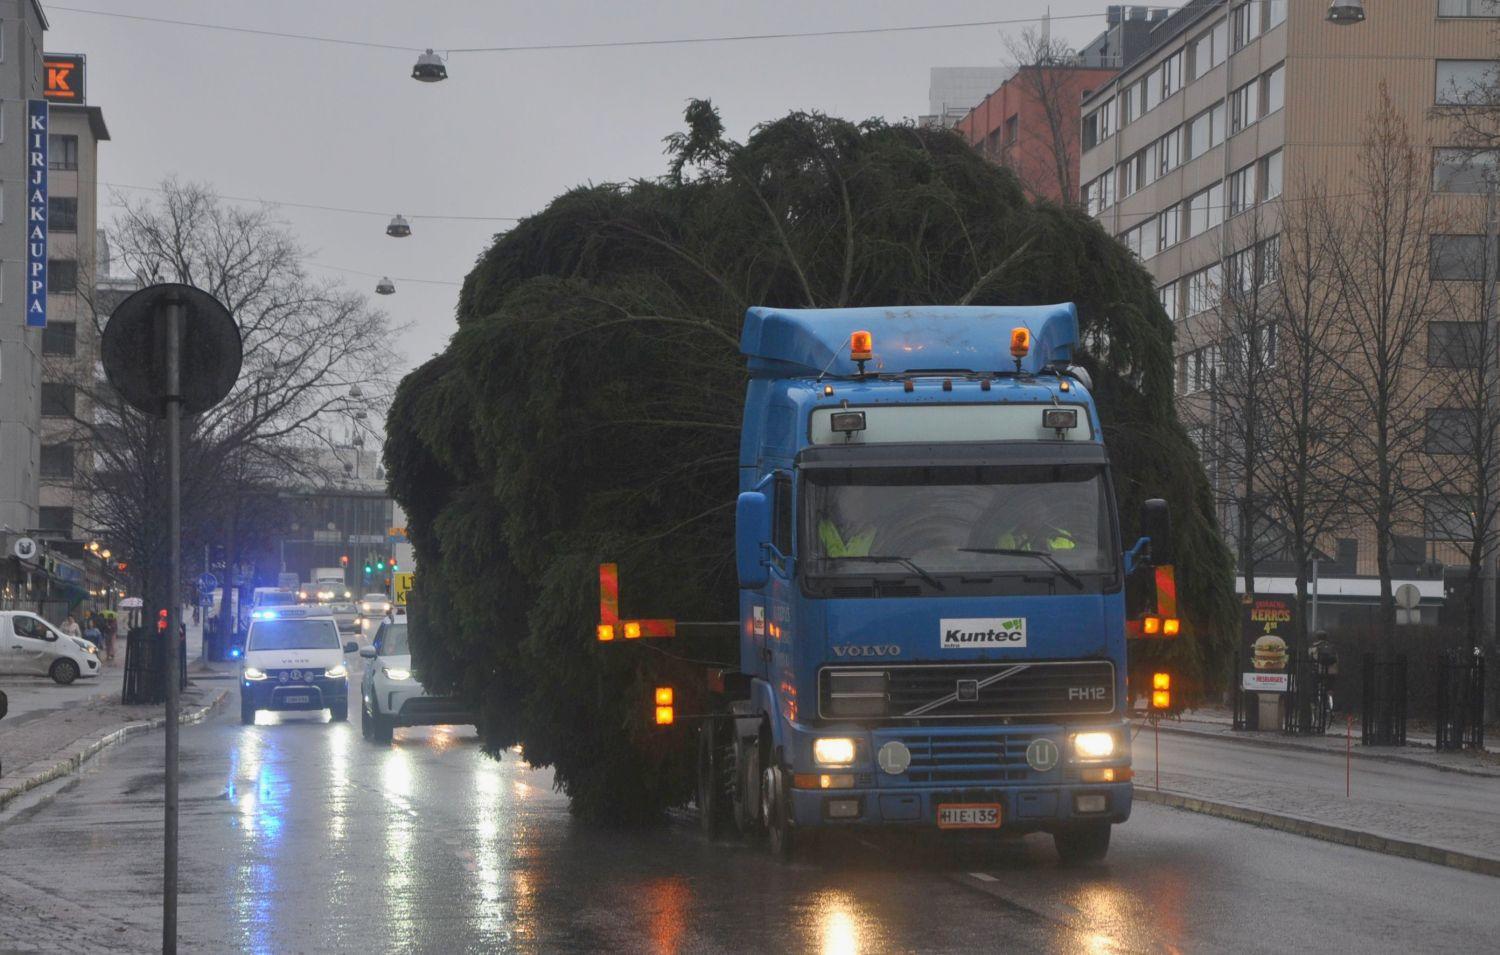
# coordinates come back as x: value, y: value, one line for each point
x: 294, y: 660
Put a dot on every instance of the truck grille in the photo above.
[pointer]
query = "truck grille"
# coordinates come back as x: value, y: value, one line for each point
x: 967, y: 758
x: 967, y: 690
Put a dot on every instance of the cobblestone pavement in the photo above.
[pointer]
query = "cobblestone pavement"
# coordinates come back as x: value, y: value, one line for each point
x: 1459, y: 812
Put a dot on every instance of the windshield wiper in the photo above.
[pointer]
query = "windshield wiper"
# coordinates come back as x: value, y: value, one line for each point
x: 904, y: 561
x: 1043, y: 555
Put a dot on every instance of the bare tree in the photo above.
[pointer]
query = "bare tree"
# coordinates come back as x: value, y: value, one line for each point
x: 1381, y: 263
x: 1306, y: 474
x: 306, y: 343
x: 1045, y: 72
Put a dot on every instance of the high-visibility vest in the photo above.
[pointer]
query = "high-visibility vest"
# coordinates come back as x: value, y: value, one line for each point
x: 834, y: 544
x: 1061, y: 540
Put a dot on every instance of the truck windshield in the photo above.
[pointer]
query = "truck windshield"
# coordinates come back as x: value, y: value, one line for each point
x: 319, y: 634
x: 1047, y: 520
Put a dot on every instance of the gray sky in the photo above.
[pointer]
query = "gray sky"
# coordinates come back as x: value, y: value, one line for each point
x: 302, y: 122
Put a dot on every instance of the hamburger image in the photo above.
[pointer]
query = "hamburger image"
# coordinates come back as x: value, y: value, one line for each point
x: 1268, y: 653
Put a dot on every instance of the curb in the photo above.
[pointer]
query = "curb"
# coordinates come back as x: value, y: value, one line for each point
x: 49, y: 768
x: 1358, y: 753
x: 1298, y: 826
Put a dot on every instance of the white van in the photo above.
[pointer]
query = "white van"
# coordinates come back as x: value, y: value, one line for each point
x: 29, y: 644
x: 294, y: 660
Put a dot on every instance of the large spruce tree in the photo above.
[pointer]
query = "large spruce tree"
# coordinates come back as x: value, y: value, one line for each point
x: 588, y: 409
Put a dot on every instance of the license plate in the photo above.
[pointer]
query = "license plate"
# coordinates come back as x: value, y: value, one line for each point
x: 295, y: 699
x: 974, y: 815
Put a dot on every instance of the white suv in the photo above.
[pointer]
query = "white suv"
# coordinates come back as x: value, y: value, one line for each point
x: 392, y: 696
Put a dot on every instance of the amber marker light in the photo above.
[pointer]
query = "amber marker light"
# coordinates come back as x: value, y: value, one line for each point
x: 1020, y: 342
x: 861, y: 346
x: 606, y: 632
x: 1171, y: 626
x: 664, y: 696
x: 1151, y: 625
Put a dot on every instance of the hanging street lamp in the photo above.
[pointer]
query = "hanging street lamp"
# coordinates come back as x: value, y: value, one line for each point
x: 429, y: 68
x: 385, y: 286
x: 399, y: 228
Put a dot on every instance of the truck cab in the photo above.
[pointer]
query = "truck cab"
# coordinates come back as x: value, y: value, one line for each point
x: 932, y: 603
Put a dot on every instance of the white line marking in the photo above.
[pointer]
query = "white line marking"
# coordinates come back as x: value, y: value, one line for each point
x: 983, y: 877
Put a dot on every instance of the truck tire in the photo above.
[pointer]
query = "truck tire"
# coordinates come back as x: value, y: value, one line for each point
x: 776, y: 810
x: 1083, y: 843
x: 746, y: 791
x: 712, y: 798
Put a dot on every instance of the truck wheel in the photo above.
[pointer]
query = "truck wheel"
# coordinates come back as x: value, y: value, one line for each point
x: 746, y: 785
x: 713, y: 801
x: 64, y: 672
x: 776, y: 810
x: 1082, y: 843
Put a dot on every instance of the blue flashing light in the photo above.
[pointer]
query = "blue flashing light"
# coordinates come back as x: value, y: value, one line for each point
x: 235, y: 653
x: 264, y: 615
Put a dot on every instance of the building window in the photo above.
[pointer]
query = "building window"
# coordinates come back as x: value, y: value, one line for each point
x: 1273, y: 89
x: 62, y: 152
x: 60, y: 338
x: 1013, y: 130
x: 62, y: 213
x: 1133, y: 174
x: 62, y: 276
x: 1244, y: 107
x: 1454, y: 344
x: 1204, y: 132
x: 1127, y: 106
x: 1457, y: 258
x: 1099, y: 194
x: 1196, y: 370
x: 1203, y: 290
x: 1268, y: 261
x: 1465, y: 170
x: 1448, y: 431
x: 58, y: 400
x: 1099, y: 125
x: 1270, y: 175
x: 1242, y: 189
x: 1205, y: 210
x: 1169, y: 152
x: 57, y: 520
x: 1448, y: 517
x: 1168, y: 295
x: 1469, y: 8
x: 1169, y: 227
x: 1275, y: 13
x: 57, y: 461
x: 1208, y: 49
x: 1464, y: 81
x: 1246, y: 22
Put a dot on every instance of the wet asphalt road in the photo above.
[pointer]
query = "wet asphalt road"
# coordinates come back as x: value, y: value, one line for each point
x: 299, y: 836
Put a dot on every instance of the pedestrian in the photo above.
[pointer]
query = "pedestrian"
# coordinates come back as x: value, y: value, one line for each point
x: 93, y: 634
x: 71, y: 628
x: 111, y: 630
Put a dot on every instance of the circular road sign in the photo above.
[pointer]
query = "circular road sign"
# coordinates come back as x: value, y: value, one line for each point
x: 207, y: 582
x: 134, y: 348
x: 1408, y: 596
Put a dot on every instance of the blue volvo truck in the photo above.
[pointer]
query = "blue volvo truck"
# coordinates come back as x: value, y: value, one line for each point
x: 932, y: 583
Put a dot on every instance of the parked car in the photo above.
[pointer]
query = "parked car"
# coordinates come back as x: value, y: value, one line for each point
x: 392, y: 697
x: 29, y: 644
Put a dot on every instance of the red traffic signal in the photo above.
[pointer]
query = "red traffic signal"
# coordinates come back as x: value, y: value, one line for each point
x: 161, y: 620
x: 344, y: 561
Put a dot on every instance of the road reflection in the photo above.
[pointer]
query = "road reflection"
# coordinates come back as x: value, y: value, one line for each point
x: 839, y: 926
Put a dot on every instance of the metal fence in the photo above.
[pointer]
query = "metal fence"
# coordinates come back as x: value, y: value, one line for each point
x: 1460, y: 700
x: 145, y: 667
x: 1383, y: 707
x: 1309, y: 703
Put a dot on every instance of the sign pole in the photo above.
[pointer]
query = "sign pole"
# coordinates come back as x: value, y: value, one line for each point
x: 174, y: 618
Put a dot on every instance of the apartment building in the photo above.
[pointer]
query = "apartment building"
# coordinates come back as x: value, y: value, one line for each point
x: 1240, y: 107
x: 70, y: 342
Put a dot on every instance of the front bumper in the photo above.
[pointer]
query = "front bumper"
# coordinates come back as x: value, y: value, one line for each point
x: 964, y: 764
x: 407, y: 704
x: 274, y: 695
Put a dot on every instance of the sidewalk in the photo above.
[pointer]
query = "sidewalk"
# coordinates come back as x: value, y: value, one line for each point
x: 1414, y: 802
x: 52, y: 730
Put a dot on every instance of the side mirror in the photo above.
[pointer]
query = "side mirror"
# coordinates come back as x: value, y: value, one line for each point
x: 1156, y: 523
x: 752, y: 535
x: 351, y: 647
x: 367, y: 652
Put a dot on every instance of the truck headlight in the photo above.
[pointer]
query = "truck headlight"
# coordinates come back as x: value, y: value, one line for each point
x: 253, y: 673
x: 833, y: 751
x: 335, y: 672
x: 1094, y: 745
x: 397, y: 674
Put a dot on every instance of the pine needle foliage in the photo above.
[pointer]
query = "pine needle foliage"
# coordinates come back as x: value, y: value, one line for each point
x: 588, y: 409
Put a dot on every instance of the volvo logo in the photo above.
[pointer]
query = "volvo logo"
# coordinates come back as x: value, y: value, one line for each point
x: 860, y: 650
x: 1042, y: 754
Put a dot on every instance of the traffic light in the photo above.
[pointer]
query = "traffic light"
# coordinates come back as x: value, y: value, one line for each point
x: 161, y: 620
x: 394, y: 565
x: 344, y: 560
x: 368, y: 571
x: 665, y: 715
x: 1161, y: 691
